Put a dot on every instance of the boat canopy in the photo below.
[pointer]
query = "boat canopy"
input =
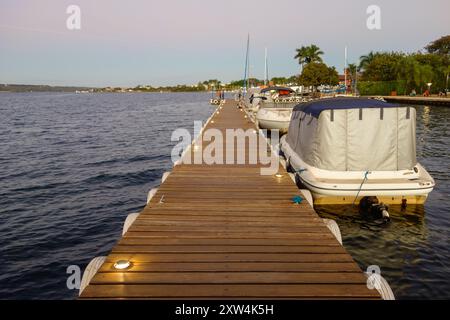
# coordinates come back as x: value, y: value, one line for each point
x: 276, y: 88
x: 354, y: 134
x: 315, y: 107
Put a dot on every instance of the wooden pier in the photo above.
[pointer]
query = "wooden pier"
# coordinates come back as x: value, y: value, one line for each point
x: 430, y: 101
x: 226, y: 231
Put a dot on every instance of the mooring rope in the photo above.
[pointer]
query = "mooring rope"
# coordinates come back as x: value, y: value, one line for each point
x: 360, y: 187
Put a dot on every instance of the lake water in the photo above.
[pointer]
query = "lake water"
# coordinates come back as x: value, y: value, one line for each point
x: 73, y: 166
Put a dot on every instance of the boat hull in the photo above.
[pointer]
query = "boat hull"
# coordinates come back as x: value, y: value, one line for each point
x: 277, y: 119
x: 337, y: 188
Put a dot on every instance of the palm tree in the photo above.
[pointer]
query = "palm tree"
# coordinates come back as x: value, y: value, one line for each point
x: 364, y: 61
x: 313, y: 54
x: 308, y: 54
x: 353, y: 71
x: 301, y: 56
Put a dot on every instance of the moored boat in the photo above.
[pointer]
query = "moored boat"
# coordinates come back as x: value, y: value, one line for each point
x: 345, y: 149
x: 274, y: 107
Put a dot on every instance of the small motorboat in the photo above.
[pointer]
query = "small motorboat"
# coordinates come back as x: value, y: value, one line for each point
x: 274, y: 107
x: 347, y: 149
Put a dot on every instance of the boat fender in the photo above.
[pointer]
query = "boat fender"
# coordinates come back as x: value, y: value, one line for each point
x: 129, y: 221
x: 288, y: 165
x: 334, y: 228
x: 165, y: 175
x: 90, y: 272
x: 308, y: 196
x: 151, y: 194
x: 376, y: 281
x: 292, y: 176
x: 178, y: 162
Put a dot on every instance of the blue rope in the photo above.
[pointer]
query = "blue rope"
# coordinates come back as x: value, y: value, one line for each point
x: 360, y: 187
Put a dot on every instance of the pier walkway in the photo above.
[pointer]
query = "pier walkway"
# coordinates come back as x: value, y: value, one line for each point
x: 431, y: 101
x: 226, y: 231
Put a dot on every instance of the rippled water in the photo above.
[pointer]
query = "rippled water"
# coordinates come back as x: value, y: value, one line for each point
x: 72, y: 166
x: 413, y: 250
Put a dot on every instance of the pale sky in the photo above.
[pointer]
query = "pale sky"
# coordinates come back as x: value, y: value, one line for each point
x: 126, y: 43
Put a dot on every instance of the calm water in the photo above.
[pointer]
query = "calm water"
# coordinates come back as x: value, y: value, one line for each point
x: 72, y: 167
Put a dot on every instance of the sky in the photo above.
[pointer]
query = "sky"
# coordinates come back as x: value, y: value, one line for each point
x: 126, y: 43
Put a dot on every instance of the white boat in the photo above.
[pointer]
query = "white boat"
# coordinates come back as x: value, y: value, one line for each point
x: 276, y: 118
x: 344, y: 149
x: 274, y: 107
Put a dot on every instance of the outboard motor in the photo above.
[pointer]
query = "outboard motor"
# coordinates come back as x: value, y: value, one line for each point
x: 372, y: 207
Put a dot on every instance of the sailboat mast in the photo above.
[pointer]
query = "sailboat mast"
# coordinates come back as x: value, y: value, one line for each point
x: 345, y: 68
x: 246, y: 71
x: 266, y: 75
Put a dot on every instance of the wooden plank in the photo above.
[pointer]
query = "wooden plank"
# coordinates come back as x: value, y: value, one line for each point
x: 226, y: 231
x: 120, y: 248
x: 341, y: 267
x: 230, y: 257
x: 224, y: 241
x: 248, y: 291
x: 227, y: 277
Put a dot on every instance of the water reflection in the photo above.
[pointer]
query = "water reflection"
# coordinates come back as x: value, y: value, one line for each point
x: 392, y: 245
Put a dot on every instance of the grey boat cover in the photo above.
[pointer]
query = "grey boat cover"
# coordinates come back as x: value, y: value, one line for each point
x: 354, y: 134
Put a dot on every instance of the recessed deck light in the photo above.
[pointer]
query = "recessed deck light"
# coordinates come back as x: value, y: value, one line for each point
x: 122, y: 264
x: 212, y: 121
x: 278, y: 175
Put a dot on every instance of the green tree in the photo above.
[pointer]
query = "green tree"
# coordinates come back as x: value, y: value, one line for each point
x: 317, y: 73
x: 352, y: 69
x: 279, y: 80
x: 365, y: 60
x: 440, y: 46
x: 333, y: 76
x: 383, y: 67
x: 308, y: 54
x: 408, y: 70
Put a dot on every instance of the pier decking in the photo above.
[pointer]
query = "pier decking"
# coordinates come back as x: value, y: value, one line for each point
x: 226, y: 231
x: 431, y: 101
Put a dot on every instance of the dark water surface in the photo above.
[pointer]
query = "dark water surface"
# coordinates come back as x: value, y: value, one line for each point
x: 73, y: 166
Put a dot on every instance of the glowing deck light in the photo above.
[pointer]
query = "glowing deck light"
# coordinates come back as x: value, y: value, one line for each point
x: 278, y: 175
x: 212, y: 121
x: 196, y: 147
x: 122, y: 264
